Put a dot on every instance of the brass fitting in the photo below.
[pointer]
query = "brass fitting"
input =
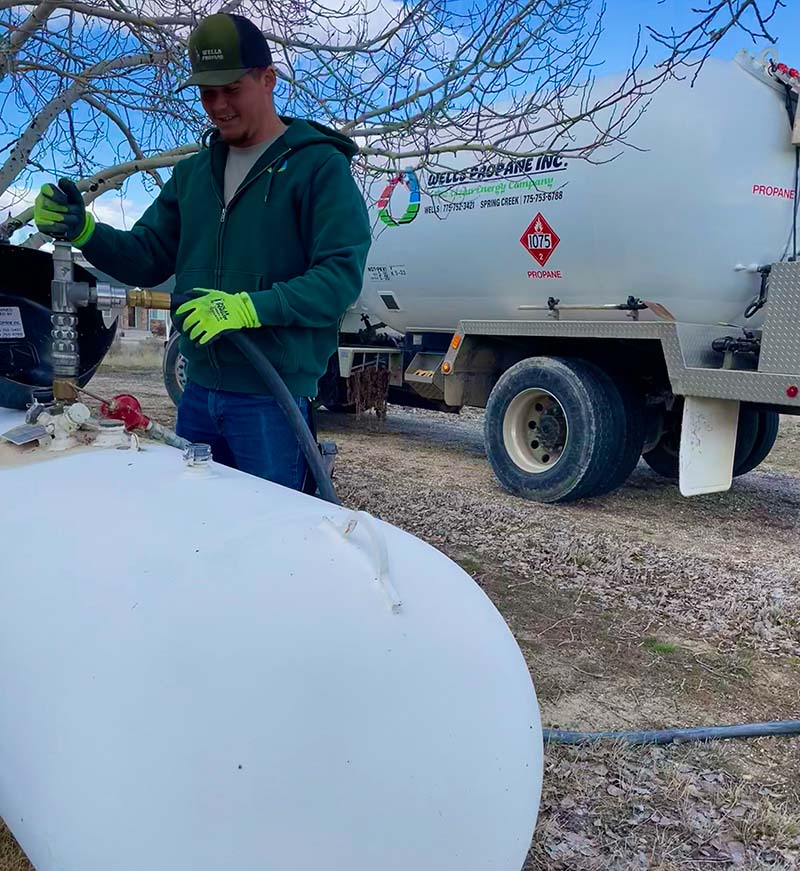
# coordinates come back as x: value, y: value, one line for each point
x: 149, y: 299
x: 64, y: 390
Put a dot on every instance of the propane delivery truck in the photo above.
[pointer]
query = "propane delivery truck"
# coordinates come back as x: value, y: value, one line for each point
x: 643, y: 302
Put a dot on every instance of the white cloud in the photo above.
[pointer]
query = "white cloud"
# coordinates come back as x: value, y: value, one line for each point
x: 13, y: 201
x: 16, y: 199
x: 369, y: 21
x: 365, y: 19
x: 118, y: 211
x: 121, y: 211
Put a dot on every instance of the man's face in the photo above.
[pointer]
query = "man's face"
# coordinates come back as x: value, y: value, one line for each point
x: 239, y: 109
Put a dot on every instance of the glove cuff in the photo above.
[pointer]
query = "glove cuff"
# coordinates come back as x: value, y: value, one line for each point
x: 249, y: 311
x: 86, y: 233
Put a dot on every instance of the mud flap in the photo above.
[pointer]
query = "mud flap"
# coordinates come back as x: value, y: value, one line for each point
x: 708, y: 443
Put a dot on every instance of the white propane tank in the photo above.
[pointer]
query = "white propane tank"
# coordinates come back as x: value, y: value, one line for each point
x: 707, y: 187
x: 203, y: 670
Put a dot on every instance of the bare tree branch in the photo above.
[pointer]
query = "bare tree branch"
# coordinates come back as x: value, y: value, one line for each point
x: 108, y: 179
x: 36, y: 240
x: 10, y: 46
x: 18, y: 158
x: 417, y: 83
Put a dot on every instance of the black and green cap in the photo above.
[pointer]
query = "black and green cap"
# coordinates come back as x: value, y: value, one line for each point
x: 223, y: 47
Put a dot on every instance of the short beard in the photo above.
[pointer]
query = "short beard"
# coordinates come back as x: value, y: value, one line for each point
x: 235, y: 141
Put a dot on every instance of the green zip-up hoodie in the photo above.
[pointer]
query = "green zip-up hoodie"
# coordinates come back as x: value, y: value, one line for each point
x: 295, y: 236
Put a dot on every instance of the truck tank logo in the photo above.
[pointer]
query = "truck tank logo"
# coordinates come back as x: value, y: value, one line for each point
x: 544, y: 164
x: 409, y: 180
x: 540, y: 239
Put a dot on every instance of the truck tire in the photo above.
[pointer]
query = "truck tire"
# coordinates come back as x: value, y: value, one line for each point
x: 173, y: 369
x: 553, y: 429
x: 332, y: 390
x: 664, y: 458
x: 633, y: 427
x: 768, y: 424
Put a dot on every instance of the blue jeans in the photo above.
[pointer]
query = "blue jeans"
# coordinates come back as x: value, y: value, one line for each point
x: 246, y: 431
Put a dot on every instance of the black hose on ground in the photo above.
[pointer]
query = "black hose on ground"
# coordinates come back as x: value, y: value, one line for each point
x: 668, y: 736
x: 287, y: 404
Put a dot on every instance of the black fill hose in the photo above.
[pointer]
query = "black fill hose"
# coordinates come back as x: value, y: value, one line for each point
x: 287, y: 404
x: 667, y: 736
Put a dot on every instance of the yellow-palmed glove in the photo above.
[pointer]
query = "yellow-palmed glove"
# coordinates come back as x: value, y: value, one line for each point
x: 59, y: 212
x: 215, y: 312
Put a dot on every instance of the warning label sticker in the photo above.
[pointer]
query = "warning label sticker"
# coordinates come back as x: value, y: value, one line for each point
x: 11, y: 323
x: 540, y: 240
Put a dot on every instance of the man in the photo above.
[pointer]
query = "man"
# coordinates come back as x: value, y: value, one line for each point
x: 264, y: 229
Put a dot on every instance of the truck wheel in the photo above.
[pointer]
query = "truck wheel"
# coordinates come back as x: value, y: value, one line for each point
x: 332, y: 390
x: 633, y: 427
x: 174, y: 369
x: 768, y: 424
x: 552, y: 428
x: 664, y: 458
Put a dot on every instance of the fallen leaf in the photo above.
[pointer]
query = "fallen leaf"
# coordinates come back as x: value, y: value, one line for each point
x: 737, y: 852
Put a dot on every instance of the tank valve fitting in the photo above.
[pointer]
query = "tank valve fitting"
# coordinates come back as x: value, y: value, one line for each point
x: 128, y: 409
x: 66, y: 297
x: 197, y: 454
x: 64, y: 325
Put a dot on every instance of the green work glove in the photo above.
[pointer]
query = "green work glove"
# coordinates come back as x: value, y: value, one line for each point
x: 60, y: 212
x: 216, y: 312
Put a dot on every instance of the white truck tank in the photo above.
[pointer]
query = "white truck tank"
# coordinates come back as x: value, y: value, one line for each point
x: 706, y: 184
x: 203, y: 670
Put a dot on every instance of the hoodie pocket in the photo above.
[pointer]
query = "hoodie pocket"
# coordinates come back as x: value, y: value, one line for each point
x: 186, y: 280
x: 222, y: 355
x: 238, y: 281
x: 230, y: 280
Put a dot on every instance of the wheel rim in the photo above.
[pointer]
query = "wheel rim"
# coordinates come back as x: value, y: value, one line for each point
x: 535, y: 430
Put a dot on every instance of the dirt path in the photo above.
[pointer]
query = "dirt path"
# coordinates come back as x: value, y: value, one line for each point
x: 638, y: 610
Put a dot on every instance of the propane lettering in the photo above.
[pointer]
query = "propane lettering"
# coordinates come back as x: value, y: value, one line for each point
x: 544, y: 163
x: 770, y: 191
x: 545, y: 273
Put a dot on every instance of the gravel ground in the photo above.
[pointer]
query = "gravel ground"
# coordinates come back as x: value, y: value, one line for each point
x: 641, y: 609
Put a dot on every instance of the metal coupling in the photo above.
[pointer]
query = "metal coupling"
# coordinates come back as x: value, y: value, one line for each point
x: 63, y: 325
x: 64, y: 334
x: 64, y: 354
x: 106, y: 296
x: 149, y: 298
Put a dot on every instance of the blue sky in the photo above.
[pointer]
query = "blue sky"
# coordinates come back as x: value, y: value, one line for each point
x: 623, y: 18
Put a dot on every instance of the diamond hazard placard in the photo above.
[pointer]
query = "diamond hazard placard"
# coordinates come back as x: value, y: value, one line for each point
x: 540, y: 240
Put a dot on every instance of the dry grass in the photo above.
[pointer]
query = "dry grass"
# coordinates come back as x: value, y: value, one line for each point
x: 144, y: 355
x: 675, y: 809
x: 11, y: 857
